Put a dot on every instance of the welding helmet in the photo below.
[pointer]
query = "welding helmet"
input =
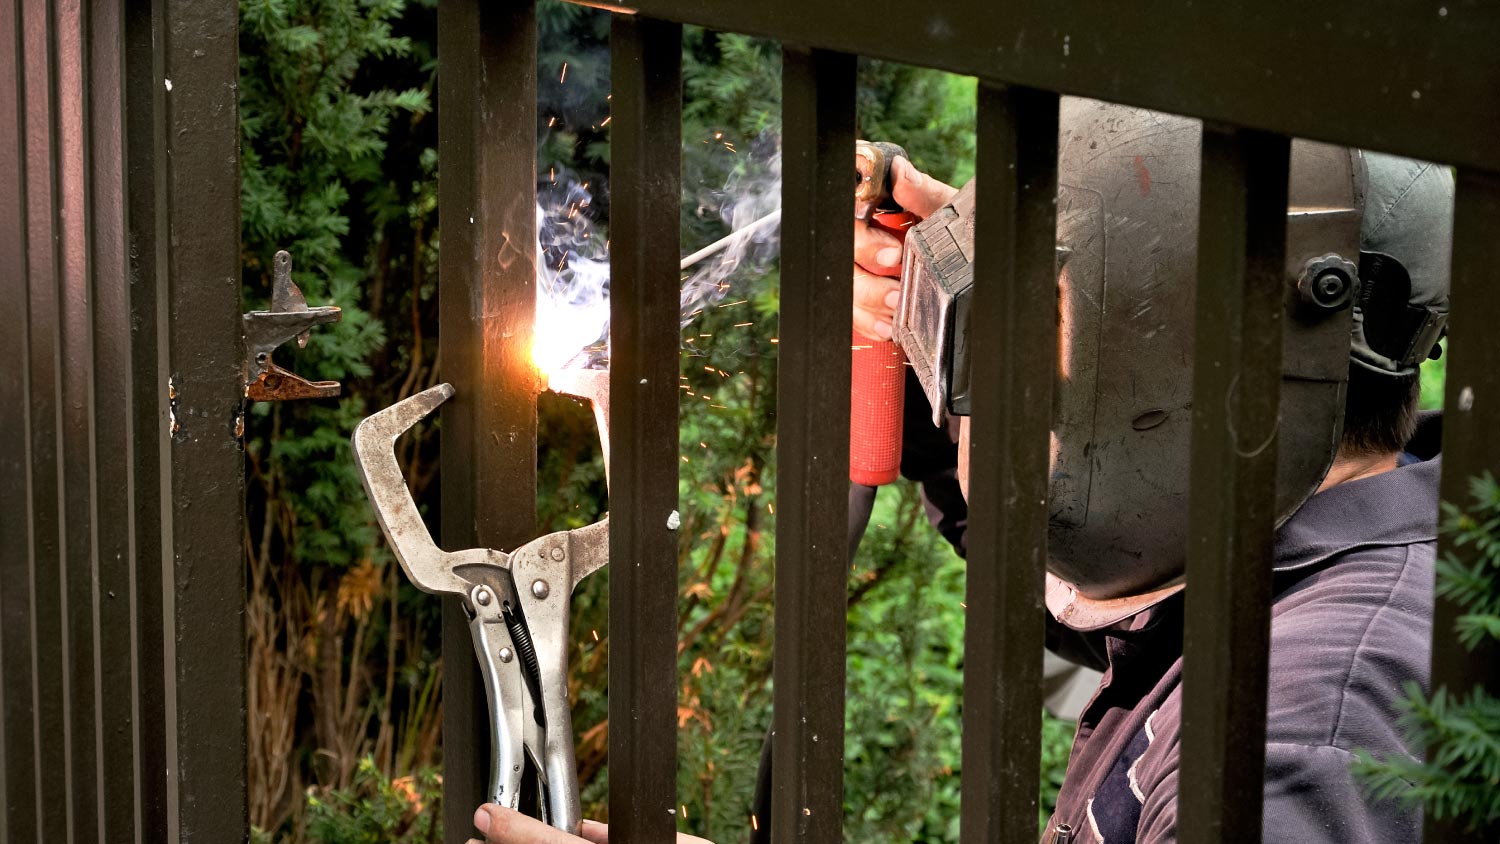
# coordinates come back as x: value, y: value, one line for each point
x: 1127, y: 224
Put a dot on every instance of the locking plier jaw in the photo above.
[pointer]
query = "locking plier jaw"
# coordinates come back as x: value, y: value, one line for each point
x: 517, y: 604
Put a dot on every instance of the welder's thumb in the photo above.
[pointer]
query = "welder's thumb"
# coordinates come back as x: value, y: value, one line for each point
x: 916, y: 191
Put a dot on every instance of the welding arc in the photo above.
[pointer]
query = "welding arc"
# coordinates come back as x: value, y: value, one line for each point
x: 739, y: 234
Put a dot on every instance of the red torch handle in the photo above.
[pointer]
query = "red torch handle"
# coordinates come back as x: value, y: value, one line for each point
x: 876, y: 392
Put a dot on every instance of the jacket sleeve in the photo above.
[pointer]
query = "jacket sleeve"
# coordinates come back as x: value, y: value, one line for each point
x: 1313, y: 796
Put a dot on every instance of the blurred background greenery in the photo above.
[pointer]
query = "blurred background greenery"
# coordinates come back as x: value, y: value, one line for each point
x: 339, y: 143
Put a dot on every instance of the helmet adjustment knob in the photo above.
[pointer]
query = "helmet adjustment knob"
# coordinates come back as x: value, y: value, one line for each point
x: 1327, y: 283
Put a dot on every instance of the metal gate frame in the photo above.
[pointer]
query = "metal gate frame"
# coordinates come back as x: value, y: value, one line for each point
x: 121, y: 392
x: 121, y: 586
x: 1418, y: 79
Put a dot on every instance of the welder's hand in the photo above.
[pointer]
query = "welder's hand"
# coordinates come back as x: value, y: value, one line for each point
x: 877, y: 253
x: 507, y: 826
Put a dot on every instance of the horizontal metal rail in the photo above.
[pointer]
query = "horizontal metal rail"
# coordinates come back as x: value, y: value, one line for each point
x: 1415, y: 78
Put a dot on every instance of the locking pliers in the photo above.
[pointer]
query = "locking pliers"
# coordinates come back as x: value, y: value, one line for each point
x: 517, y: 605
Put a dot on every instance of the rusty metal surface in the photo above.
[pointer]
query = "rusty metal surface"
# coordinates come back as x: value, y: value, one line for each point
x: 1471, y: 418
x: 645, y: 184
x: 812, y: 447
x: 1232, y: 510
x: 1420, y: 79
x: 289, y: 318
x: 486, y: 292
x: 1014, y: 292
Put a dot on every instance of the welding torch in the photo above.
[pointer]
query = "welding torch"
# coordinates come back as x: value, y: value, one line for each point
x: 878, y: 379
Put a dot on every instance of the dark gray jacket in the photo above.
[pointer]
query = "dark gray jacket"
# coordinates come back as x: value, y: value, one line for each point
x: 1351, y: 623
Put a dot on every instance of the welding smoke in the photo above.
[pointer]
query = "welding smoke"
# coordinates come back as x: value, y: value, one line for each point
x: 572, y: 302
x: 572, y: 316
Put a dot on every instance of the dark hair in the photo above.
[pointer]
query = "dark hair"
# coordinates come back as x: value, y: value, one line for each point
x: 1380, y: 413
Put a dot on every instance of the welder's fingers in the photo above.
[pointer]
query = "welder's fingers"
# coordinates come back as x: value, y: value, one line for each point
x: 598, y: 833
x: 876, y: 250
x: 875, y: 299
x: 507, y: 826
x: 916, y: 191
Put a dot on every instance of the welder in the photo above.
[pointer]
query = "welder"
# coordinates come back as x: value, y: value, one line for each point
x: 1368, y: 246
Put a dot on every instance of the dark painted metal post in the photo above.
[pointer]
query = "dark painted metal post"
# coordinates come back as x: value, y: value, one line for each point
x: 79, y: 564
x: 146, y: 213
x: 646, y: 190
x: 1471, y: 447
x: 205, y: 602
x: 17, y: 757
x: 812, y: 445
x: 1016, y: 294
x: 44, y: 355
x: 1236, y: 392
x: 114, y: 489
x: 487, y: 202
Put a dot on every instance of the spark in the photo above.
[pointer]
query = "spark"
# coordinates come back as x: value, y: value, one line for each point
x: 732, y: 304
x: 730, y: 147
x: 775, y: 339
x: 720, y: 406
x: 551, y: 121
x: 770, y: 508
x: 606, y: 121
x: 564, y: 77
x: 723, y: 374
x: 702, y: 444
x: 596, y: 635
x: 718, y: 136
x: 552, y: 172
x: 684, y: 811
x: 754, y: 824
x: 708, y: 369
x: 684, y: 458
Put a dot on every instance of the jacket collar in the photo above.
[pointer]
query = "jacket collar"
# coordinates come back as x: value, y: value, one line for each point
x: 1398, y: 507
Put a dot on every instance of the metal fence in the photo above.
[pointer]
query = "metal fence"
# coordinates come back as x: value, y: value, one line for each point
x: 122, y: 670
x: 121, y: 591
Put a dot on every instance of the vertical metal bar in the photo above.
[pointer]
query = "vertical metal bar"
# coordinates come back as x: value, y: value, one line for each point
x: 114, y: 490
x: 75, y: 320
x: 645, y: 185
x: 205, y: 596
x: 1470, y: 419
x: 1236, y: 391
x: 812, y: 446
x: 151, y: 412
x: 487, y: 302
x: 48, y: 656
x: 1016, y: 295
x: 18, y: 775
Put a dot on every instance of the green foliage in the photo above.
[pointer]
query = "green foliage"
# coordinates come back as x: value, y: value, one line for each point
x: 1460, y: 732
x: 338, y: 167
x: 1434, y: 374
x: 378, y: 809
